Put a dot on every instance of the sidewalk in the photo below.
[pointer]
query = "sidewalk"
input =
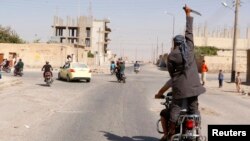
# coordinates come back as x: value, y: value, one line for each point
x: 7, y: 80
x: 228, y: 88
x: 212, y: 84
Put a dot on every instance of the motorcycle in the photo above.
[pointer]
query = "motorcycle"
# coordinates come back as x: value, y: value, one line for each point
x: 112, y: 71
x: 6, y: 69
x: 120, y: 77
x: 136, y: 69
x: 18, y: 72
x: 188, y: 127
x: 48, y: 78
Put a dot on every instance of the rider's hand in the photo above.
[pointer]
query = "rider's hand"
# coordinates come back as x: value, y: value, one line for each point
x: 187, y: 10
x: 159, y: 96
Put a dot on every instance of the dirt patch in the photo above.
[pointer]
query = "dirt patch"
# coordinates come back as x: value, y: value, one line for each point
x: 208, y: 111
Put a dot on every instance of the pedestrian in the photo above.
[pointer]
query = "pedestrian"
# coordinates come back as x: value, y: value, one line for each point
x: 220, y: 78
x: 238, y: 82
x: 204, y: 71
x: 69, y: 58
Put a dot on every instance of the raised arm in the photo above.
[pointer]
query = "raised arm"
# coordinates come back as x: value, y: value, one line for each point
x: 189, y: 28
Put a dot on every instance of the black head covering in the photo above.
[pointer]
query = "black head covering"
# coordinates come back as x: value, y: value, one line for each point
x: 179, y: 41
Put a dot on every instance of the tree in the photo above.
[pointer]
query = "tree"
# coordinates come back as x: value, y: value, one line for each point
x: 90, y: 55
x: 7, y: 35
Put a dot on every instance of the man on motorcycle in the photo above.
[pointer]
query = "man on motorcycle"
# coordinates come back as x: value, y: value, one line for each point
x: 183, y: 70
x: 47, y: 68
x: 5, y: 63
x: 19, y: 65
x: 122, y: 68
x: 136, y: 65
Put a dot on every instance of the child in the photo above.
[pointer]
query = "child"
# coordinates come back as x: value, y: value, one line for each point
x: 238, y: 82
x: 220, y: 78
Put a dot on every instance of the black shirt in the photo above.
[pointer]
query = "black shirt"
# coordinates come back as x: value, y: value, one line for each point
x: 47, y: 68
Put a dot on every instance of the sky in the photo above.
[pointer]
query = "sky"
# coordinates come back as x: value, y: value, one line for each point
x: 137, y: 25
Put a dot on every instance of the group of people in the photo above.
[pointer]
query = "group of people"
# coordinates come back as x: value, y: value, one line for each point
x: 118, y: 69
x: 18, y: 65
x: 204, y: 70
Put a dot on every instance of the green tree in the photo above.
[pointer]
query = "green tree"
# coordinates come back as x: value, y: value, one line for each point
x: 90, y: 55
x: 205, y: 51
x: 7, y: 35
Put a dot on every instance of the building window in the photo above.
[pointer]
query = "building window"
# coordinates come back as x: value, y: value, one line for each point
x: 88, y: 31
x: 87, y: 42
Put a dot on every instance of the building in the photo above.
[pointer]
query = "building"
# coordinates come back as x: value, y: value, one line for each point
x: 91, y: 35
x: 100, y: 40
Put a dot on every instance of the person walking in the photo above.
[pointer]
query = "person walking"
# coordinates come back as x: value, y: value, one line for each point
x: 238, y: 82
x: 204, y: 71
x: 220, y: 78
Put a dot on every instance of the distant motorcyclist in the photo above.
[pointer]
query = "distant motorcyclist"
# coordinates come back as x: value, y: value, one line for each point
x: 47, y: 68
x: 5, y: 63
x: 19, y: 65
x: 136, y: 66
x: 117, y: 70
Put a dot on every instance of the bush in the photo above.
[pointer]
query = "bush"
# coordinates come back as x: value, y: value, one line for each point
x: 205, y: 51
x: 90, y: 55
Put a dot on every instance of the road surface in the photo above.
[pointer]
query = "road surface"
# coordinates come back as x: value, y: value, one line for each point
x: 103, y: 110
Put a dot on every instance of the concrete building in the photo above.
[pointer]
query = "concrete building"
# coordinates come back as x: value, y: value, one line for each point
x: 100, y: 41
x: 92, y: 35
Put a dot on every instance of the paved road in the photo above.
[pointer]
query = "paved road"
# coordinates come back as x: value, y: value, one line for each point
x: 105, y: 110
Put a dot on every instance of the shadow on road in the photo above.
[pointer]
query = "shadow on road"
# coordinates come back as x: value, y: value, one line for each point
x: 44, y: 85
x: 72, y: 81
x: 114, y: 81
x: 231, y: 91
x: 113, y: 137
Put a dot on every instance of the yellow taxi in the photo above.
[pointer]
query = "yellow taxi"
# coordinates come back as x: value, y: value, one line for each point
x: 75, y: 71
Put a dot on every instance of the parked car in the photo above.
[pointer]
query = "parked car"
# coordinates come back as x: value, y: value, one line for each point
x: 75, y: 71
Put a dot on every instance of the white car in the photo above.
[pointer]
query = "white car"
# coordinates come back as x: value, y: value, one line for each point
x: 75, y: 71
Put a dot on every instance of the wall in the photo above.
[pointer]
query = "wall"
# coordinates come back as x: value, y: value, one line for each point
x: 222, y: 43
x: 35, y: 55
x: 224, y: 61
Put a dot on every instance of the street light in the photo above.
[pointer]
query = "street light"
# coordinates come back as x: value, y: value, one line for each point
x: 173, y: 20
x: 237, y: 3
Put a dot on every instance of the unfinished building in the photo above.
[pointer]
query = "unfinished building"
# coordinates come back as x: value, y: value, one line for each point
x: 84, y: 32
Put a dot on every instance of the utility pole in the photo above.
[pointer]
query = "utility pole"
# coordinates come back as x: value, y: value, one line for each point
x: 237, y: 4
x: 157, y: 49
x: 154, y: 55
x: 162, y: 49
x: 99, y: 58
x: 78, y: 33
x: 136, y: 54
